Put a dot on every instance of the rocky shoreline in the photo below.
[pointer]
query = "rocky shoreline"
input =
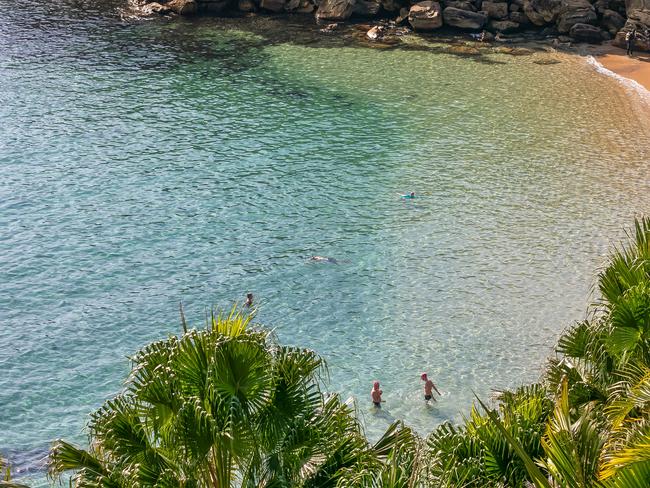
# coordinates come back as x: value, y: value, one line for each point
x: 559, y: 21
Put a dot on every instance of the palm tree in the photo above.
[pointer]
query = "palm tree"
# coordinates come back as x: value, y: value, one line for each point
x: 588, y: 423
x: 478, y: 453
x: 396, y: 461
x: 599, y: 432
x: 219, y: 407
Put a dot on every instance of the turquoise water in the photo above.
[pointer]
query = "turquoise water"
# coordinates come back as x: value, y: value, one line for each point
x: 144, y: 163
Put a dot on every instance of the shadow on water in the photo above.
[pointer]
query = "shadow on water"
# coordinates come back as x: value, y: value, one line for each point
x: 26, y: 462
x: 78, y: 30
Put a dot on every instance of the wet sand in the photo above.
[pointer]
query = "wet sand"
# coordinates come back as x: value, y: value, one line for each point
x: 635, y: 68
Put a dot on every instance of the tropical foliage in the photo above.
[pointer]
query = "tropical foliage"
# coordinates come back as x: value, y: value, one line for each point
x: 219, y: 407
x: 228, y: 406
x: 587, y: 424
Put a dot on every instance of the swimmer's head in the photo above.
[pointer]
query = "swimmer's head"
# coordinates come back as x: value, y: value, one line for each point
x: 249, y: 295
x: 412, y: 194
x: 375, y: 385
x: 423, y: 376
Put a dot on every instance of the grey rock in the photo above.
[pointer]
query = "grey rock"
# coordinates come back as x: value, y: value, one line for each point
x: 461, y: 4
x: 495, y: 10
x: 425, y: 16
x: 366, y: 8
x: 335, y: 10
x: 464, y: 19
x: 612, y: 21
x: 586, y: 33
x: 542, y: 12
x: 575, y: 12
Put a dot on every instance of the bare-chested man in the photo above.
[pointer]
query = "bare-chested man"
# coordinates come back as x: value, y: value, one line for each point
x: 375, y: 394
x: 428, y: 388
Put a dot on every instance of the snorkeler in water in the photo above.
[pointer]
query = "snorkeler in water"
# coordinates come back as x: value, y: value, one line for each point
x: 323, y: 259
x: 408, y: 196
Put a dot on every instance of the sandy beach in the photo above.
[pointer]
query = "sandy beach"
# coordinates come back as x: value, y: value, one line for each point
x: 635, y: 68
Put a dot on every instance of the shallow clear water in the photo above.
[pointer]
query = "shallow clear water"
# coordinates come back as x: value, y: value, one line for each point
x: 145, y: 163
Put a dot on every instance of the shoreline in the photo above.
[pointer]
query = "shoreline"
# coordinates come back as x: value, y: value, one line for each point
x: 632, y: 74
x: 635, y: 69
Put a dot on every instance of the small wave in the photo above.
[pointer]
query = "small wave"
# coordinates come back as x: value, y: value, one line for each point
x: 630, y: 84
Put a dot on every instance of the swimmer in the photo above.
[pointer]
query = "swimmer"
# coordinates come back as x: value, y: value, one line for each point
x: 249, y: 300
x: 409, y: 196
x: 428, y: 388
x: 323, y: 259
x: 375, y: 394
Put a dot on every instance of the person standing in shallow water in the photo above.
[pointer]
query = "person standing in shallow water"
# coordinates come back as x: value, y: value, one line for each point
x: 249, y: 300
x: 630, y: 37
x: 428, y: 388
x: 375, y: 394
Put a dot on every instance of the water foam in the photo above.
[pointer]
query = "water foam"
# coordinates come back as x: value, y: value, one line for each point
x: 628, y: 83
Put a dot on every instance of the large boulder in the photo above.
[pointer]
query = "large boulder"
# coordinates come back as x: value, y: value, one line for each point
x: 615, y: 5
x: 575, y: 12
x: 335, y: 10
x: 461, y: 4
x: 495, y: 10
x: 425, y: 16
x: 366, y: 8
x: 464, y: 19
x: 612, y: 21
x: 542, y: 12
x: 183, y: 7
x: 638, y: 12
x: 586, y: 33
